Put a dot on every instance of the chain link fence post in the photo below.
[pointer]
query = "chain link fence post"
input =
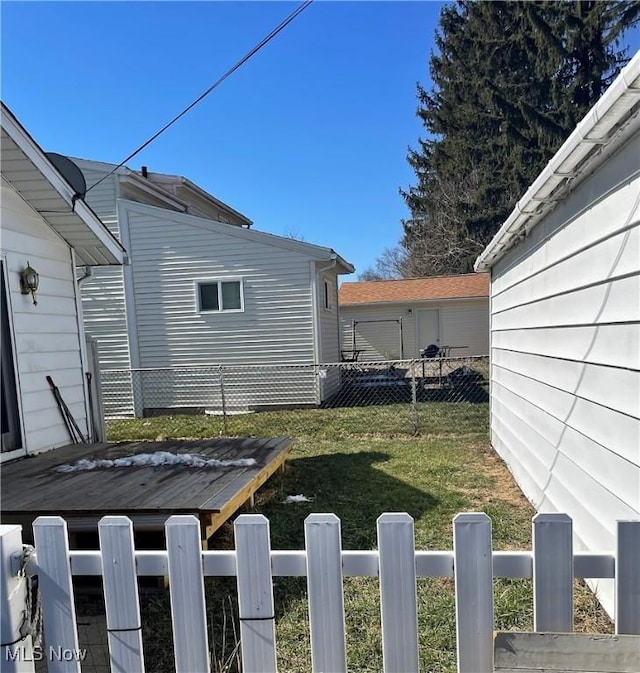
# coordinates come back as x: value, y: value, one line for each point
x: 414, y: 399
x: 223, y: 401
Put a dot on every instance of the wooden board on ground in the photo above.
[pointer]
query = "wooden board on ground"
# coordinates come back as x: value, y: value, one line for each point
x: 32, y: 486
x: 566, y: 653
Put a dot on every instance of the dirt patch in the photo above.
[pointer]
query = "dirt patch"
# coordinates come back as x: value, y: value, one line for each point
x: 506, y: 490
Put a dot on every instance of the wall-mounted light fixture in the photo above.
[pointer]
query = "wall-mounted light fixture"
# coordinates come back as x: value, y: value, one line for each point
x: 29, y: 279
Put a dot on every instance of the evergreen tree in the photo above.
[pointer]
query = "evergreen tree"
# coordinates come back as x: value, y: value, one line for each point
x: 510, y: 82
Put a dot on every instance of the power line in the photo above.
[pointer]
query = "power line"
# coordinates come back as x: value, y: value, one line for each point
x: 217, y: 83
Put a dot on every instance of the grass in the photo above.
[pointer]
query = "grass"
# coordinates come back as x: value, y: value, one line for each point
x: 358, y: 463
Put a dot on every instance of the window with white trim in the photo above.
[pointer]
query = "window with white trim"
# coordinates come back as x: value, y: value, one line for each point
x: 328, y: 295
x: 216, y: 296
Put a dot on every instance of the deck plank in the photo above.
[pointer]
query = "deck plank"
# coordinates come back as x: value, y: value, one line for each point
x: 31, y: 486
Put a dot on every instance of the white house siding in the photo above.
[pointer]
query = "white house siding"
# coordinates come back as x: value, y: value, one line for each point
x: 329, y: 332
x: 465, y: 323
x: 103, y: 297
x: 171, y: 252
x: 102, y: 197
x: 566, y: 356
x: 462, y: 323
x: 105, y: 320
x: 46, y: 336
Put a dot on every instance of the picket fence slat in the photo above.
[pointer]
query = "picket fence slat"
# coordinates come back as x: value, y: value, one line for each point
x: 398, y: 596
x: 122, y: 604
x: 255, y: 594
x: 56, y: 593
x: 186, y: 587
x: 324, y: 587
x: 474, y: 592
x: 628, y: 578
x: 552, y: 573
x: 552, y: 564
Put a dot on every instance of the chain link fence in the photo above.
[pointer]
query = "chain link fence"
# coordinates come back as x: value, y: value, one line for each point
x: 229, y: 390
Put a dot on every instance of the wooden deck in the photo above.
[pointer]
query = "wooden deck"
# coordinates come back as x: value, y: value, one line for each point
x: 32, y: 487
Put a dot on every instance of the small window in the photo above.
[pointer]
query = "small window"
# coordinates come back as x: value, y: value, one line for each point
x: 220, y: 295
x: 328, y: 303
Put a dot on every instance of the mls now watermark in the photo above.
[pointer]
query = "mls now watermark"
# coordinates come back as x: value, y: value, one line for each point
x: 22, y: 654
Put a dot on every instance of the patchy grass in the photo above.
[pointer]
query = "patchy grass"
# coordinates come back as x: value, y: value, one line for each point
x: 358, y: 463
x: 438, y: 418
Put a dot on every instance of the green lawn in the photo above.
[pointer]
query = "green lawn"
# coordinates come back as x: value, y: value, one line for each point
x: 358, y: 463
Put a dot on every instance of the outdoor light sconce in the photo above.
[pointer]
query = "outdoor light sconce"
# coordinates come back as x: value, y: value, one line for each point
x: 29, y: 282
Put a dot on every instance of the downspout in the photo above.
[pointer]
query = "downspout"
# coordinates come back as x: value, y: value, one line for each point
x: 84, y: 362
x: 88, y: 272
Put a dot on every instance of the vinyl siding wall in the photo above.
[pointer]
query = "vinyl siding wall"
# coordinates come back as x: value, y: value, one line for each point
x: 566, y: 356
x: 462, y: 323
x: 329, y: 330
x: 104, y: 301
x: 171, y: 253
x: 46, y: 337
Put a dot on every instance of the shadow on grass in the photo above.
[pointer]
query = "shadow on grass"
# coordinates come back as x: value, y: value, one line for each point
x: 354, y: 486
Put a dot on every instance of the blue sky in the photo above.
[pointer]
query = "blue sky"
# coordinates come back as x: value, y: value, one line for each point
x: 309, y: 138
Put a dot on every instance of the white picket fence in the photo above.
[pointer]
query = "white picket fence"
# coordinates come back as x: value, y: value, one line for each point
x: 552, y: 564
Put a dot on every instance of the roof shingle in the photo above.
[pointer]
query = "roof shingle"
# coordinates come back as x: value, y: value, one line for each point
x: 415, y: 289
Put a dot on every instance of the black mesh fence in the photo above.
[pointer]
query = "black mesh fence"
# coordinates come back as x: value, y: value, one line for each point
x: 226, y: 390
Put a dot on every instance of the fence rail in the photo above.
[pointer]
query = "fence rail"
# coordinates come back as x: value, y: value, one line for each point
x: 552, y: 564
x: 225, y: 390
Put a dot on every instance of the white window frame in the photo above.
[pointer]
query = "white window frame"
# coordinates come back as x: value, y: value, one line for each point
x: 219, y: 281
x: 327, y: 295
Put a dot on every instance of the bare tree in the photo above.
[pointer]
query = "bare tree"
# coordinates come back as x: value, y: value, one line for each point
x: 389, y: 265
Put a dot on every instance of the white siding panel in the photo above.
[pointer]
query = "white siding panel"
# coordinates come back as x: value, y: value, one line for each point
x: 465, y: 325
x: 170, y: 255
x: 611, y: 258
x: 614, y: 301
x: 329, y: 327
x: 605, y: 204
x: 276, y: 324
x: 591, y: 382
x: 103, y: 308
x: 46, y: 336
x: 105, y: 320
x: 545, y: 438
x: 565, y: 347
x: 612, y: 345
x: 462, y: 323
x: 101, y: 198
x: 602, y: 424
x: 379, y: 340
x: 31, y: 382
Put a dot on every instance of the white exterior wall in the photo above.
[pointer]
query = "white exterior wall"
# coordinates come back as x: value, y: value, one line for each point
x: 101, y: 198
x: 565, y: 352
x: 46, y: 337
x: 328, y: 331
x: 145, y: 316
x: 104, y: 305
x: 462, y: 323
x: 170, y: 252
x: 329, y: 326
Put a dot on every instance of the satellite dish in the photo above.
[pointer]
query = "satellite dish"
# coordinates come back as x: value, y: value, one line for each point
x: 70, y: 172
